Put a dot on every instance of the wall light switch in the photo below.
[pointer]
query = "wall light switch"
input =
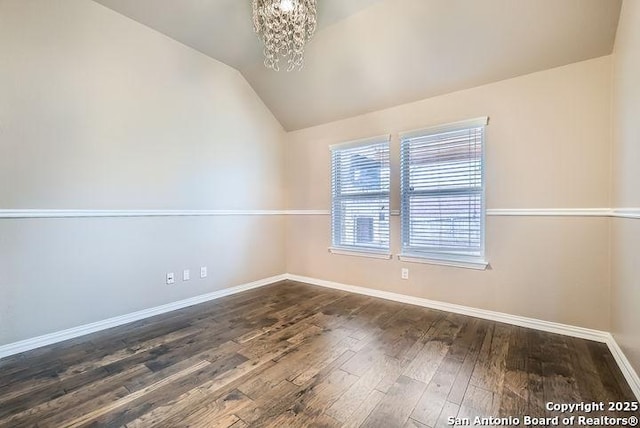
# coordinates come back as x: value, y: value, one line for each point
x: 186, y: 275
x: 203, y: 272
x: 404, y: 273
x: 171, y: 278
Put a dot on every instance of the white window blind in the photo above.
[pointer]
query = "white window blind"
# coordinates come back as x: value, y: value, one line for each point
x: 360, y: 195
x: 442, y: 192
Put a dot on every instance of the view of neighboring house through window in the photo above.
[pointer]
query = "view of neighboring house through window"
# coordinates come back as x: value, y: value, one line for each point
x: 442, y: 192
x: 360, y: 195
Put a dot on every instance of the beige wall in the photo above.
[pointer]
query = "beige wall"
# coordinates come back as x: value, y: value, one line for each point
x: 100, y: 112
x: 625, y: 240
x: 548, y: 146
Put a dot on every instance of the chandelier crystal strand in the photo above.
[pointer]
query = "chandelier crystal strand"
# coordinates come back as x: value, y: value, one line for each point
x: 284, y: 27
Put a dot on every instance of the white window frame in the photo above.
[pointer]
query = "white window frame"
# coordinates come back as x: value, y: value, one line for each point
x: 355, y: 250
x: 435, y: 257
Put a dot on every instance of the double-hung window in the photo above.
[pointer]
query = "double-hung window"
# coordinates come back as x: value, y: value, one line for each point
x: 360, y: 197
x: 442, y: 194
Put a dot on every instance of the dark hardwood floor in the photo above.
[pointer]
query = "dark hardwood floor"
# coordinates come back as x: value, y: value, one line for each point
x: 296, y: 355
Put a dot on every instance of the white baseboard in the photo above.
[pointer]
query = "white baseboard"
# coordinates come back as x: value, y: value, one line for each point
x: 59, y: 336
x: 584, y: 333
x: 625, y: 366
x: 552, y: 327
x: 568, y: 330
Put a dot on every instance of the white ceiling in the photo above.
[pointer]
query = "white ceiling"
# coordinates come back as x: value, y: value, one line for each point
x: 372, y: 54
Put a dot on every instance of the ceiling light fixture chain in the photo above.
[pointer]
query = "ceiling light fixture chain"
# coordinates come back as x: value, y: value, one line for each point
x: 284, y: 26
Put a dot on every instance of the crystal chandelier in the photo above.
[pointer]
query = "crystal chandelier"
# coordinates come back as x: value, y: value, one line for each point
x: 284, y: 26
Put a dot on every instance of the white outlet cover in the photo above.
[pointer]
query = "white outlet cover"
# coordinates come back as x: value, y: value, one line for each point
x: 186, y: 275
x: 203, y: 272
x: 405, y: 273
x: 171, y: 278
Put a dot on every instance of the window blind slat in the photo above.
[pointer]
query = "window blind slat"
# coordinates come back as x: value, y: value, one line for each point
x: 360, y: 196
x: 442, y: 202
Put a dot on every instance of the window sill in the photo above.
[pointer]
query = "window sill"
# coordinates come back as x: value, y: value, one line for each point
x: 360, y: 253
x: 466, y: 264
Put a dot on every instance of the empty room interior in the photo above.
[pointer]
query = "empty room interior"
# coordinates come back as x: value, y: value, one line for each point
x: 319, y: 213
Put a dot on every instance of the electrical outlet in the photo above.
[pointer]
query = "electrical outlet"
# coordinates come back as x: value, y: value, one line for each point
x: 404, y: 273
x: 186, y: 275
x: 171, y: 278
x: 203, y: 272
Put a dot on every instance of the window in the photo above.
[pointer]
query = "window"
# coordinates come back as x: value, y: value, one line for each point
x: 360, y: 196
x: 442, y: 194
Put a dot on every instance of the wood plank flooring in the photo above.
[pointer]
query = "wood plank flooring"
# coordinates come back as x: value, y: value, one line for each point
x: 294, y: 355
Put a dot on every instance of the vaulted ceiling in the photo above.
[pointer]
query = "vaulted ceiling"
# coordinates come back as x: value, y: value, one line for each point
x: 372, y: 54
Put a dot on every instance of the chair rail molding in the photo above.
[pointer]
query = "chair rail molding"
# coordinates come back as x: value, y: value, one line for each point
x: 633, y: 213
